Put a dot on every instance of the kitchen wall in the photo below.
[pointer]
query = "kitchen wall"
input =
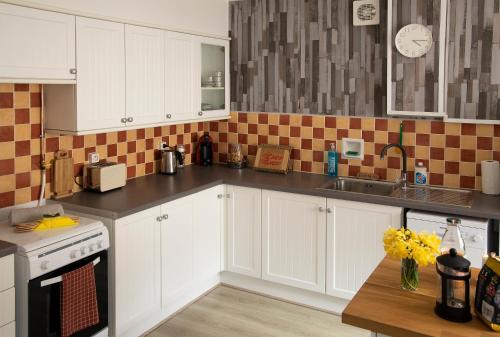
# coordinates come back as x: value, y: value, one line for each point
x: 20, y: 145
x: 451, y: 151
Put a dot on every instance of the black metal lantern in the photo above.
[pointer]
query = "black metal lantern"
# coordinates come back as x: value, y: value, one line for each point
x: 453, y: 298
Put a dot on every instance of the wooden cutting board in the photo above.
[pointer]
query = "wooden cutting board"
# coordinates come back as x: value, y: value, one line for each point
x: 62, y: 175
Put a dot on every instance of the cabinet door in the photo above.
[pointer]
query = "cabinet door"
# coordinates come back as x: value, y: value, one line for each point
x: 294, y: 240
x: 145, y: 68
x: 207, y: 233
x: 179, y: 76
x: 100, y: 49
x: 212, y: 78
x: 355, y: 243
x: 36, y: 44
x: 137, y: 263
x: 244, y: 226
x: 177, y: 248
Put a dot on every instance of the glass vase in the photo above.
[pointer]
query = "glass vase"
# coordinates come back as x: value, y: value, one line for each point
x: 410, y: 277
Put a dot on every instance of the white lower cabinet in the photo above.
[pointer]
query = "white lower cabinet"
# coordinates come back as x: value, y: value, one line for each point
x: 137, y: 268
x: 7, y: 297
x: 354, y: 246
x: 8, y: 330
x: 244, y: 227
x: 294, y: 240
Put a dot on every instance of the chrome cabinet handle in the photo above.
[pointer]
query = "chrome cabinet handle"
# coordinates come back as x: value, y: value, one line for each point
x: 130, y: 119
x: 200, y: 113
x: 328, y: 210
x: 164, y: 216
x: 220, y: 196
x: 158, y: 218
x: 124, y: 120
x: 169, y: 116
x: 321, y: 209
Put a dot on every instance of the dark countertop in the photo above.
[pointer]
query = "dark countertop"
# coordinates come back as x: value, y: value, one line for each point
x: 152, y: 190
x: 7, y: 248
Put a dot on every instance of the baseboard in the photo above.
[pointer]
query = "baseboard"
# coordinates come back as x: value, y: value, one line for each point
x: 285, y: 293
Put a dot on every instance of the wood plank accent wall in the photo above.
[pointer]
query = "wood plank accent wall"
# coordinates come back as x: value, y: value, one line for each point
x: 415, y: 80
x: 305, y: 56
x: 474, y: 59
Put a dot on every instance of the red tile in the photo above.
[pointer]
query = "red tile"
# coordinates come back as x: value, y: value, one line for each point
x: 214, y: 126
x: 378, y: 148
x: 451, y: 167
x: 78, y: 142
x: 294, y: 131
x: 101, y: 139
x: 149, y: 168
x: 156, y: 154
x: 467, y: 155
x: 273, y: 130
x: 36, y: 130
x: 436, y: 179
x: 252, y: 129
x: 437, y: 153
x: 408, y: 126
x: 35, y: 192
x: 394, y: 162
x: 353, y: 170
x: 180, y: 139
x: 368, y: 161
x: 393, y: 137
x: 141, y: 133
x: 6, y: 100
x: 355, y: 123
x: 141, y: 157
x: 122, y: 136
x: 187, y: 128
x: 306, y: 120
x: 263, y: 118
x: 35, y: 162
x: 453, y: 141
x: 52, y: 144
x: 242, y: 117
x: 467, y: 182
x: 306, y: 166
x: 252, y: 150
x: 319, y: 133
x: 23, y: 180
x: 485, y: 143
x: 284, y: 141
x: 368, y: 136
x: 381, y: 172
x: 306, y: 144
x: 223, y: 137
x: 496, y: 131
x: 130, y: 172
x: 381, y: 124
x: 437, y: 127
x: 295, y: 154
x: 284, y: 120
x: 88, y: 151
x: 112, y: 150
x: 6, y: 167
x: 262, y: 140
x: 7, y: 133
x: 469, y: 129
x: 187, y: 148
x: 149, y: 144
x: 319, y: 156
x: 123, y: 159
x: 330, y: 122
x: 410, y: 151
x: 22, y: 116
x: 201, y: 126
x: 172, y: 130
x: 21, y: 87
x: 157, y: 131
x: 233, y: 127
x: 23, y: 148
x: 7, y: 199
x: 423, y: 139
x: 243, y: 139
x: 342, y: 133
x: 35, y: 100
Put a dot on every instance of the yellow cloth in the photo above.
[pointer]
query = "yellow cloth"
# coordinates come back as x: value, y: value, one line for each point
x: 55, y: 222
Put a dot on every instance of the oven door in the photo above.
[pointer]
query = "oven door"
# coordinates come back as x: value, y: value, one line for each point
x: 44, y: 301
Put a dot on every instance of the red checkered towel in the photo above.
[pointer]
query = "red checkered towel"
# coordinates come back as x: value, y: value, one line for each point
x: 78, y: 300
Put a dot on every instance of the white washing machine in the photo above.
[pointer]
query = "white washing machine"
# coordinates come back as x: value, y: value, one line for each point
x: 474, y: 232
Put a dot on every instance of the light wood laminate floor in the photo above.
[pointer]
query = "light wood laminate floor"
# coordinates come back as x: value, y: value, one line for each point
x: 234, y: 313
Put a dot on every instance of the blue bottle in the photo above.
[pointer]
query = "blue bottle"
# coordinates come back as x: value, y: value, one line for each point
x: 333, y: 161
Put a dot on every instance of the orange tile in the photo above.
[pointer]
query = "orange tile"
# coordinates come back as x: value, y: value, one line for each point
x: 273, y: 140
x: 452, y: 129
x: 21, y: 100
x: 253, y: 139
x: 422, y: 152
x: 452, y: 180
x: 274, y: 119
x: 6, y: 87
x: 423, y: 126
x: 393, y: 125
x: 468, y: 142
x: 35, y: 115
x: 342, y: 122
x: 23, y: 195
x: 306, y: 132
x: 438, y: 140
x: 7, y: 117
x: 483, y: 155
x: 467, y: 169
x: 22, y: 164
x: 436, y: 166
x: 355, y: 133
x: 8, y: 150
x: 381, y: 137
x: 452, y: 154
x: 318, y: 121
x: 284, y: 131
x: 484, y: 130
x: 295, y: 120
x: 7, y: 183
x: 368, y: 123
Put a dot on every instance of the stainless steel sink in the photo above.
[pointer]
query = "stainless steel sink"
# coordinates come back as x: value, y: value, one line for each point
x: 374, y: 187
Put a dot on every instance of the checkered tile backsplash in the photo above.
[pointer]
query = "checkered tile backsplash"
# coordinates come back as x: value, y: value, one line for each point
x: 452, y: 152
x: 20, y: 145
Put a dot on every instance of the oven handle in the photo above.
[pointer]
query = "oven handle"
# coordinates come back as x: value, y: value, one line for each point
x: 58, y: 279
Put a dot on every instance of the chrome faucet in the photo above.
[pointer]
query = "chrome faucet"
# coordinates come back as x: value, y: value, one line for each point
x: 403, y: 182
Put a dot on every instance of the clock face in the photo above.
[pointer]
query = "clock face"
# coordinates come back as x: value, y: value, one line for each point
x: 414, y: 40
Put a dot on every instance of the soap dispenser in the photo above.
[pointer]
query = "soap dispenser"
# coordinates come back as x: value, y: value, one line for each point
x: 333, y: 161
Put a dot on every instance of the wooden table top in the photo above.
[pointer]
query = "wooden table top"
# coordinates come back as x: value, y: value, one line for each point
x: 381, y: 306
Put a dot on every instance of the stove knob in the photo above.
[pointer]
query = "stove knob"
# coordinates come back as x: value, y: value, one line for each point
x: 74, y: 254
x: 45, y: 265
x: 83, y: 250
x: 92, y: 247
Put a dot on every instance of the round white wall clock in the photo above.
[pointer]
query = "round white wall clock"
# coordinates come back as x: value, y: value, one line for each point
x: 414, y: 40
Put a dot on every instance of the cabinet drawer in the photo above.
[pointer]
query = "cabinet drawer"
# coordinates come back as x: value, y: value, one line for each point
x: 6, y: 272
x: 8, y: 307
x: 8, y: 330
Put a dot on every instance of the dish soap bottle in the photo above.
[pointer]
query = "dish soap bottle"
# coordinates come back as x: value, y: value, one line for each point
x: 333, y: 161
x: 420, y: 174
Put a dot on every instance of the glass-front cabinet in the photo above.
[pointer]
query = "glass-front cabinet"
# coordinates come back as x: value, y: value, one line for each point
x: 213, y: 78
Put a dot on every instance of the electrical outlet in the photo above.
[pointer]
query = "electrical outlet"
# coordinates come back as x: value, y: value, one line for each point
x: 93, y: 157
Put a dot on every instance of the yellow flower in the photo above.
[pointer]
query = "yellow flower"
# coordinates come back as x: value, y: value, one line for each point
x: 403, y: 243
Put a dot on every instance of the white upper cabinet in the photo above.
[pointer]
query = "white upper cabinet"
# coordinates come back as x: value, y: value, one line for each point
x: 294, y: 240
x: 100, y: 90
x: 145, y: 69
x: 355, y: 243
x: 212, y: 78
x: 180, y: 85
x: 36, y: 46
x: 244, y: 227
